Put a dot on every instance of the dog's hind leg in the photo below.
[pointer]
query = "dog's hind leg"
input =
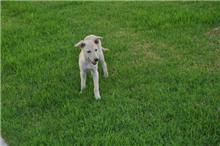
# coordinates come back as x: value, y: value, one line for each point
x: 105, y: 69
x: 104, y: 65
x: 83, y: 80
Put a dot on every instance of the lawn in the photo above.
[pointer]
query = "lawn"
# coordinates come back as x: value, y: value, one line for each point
x: 164, y: 74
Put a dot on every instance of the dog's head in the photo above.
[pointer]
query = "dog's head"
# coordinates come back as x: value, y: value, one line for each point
x: 91, y: 47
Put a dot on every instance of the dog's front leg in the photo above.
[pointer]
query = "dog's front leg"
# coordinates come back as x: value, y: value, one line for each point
x: 83, y: 80
x: 95, y: 75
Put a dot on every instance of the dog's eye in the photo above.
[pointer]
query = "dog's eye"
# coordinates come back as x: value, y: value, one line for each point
x: 88, y: 51
x: 96, y: 41
x: 96, y: 50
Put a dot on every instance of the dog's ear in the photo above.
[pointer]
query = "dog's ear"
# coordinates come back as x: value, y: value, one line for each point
x: 80, y: 44
x: 98, y: 39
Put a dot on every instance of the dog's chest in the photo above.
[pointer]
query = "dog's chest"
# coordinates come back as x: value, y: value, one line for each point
x: 88, y: 67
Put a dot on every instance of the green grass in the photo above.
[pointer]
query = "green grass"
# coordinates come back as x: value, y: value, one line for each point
x: 164, y: 67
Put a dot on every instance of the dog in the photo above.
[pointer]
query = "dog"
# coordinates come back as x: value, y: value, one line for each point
x: 91, y: 53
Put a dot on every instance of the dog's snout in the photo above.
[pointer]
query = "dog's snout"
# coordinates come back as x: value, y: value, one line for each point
x: 96, y: 59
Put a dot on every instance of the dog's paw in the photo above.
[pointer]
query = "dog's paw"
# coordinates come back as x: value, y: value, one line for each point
x: 106, y: 74
x: 98, y: 98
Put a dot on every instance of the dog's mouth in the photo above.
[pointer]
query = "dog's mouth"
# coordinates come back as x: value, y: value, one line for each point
x: 94, y: 62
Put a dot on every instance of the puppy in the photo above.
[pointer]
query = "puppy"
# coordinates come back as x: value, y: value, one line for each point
x: 91, y: 53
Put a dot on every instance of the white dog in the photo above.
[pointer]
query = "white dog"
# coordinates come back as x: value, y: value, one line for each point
x: 91, y: 53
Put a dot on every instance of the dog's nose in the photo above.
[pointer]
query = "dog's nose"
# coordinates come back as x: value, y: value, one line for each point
x: 96, y: 59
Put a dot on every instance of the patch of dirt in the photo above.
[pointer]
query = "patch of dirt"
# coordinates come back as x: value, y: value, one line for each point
x: 172, y: 51
x: 214, y: 31
x: 145, y: 50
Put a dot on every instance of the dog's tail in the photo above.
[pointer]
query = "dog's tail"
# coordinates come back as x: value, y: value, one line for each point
x: 105, y: 49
